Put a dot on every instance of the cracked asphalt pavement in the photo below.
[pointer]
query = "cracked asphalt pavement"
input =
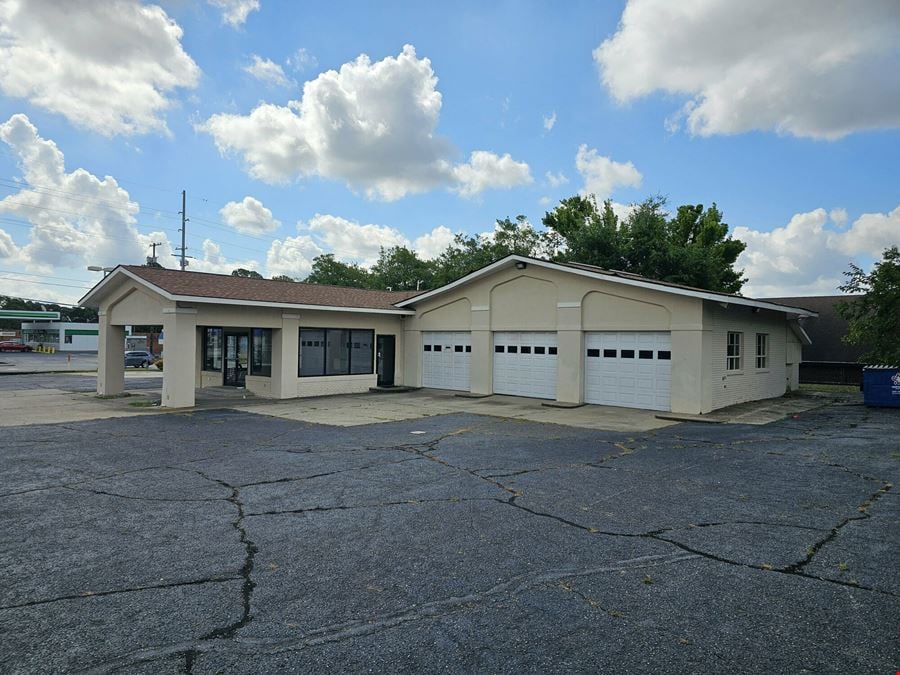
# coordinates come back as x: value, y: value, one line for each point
x: 225, y: 541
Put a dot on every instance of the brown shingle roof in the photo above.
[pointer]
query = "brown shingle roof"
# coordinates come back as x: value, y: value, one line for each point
x: 225, y: 287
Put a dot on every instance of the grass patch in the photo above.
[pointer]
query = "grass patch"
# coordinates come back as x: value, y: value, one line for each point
x: 142, y: 404
x: 831, y: 388
x: 105, y: 397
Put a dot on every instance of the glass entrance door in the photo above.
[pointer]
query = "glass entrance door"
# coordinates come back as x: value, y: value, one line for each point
x: 237, y: 355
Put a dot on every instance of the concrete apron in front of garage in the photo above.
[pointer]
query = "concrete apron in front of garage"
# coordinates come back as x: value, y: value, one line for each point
x: 71, y: 398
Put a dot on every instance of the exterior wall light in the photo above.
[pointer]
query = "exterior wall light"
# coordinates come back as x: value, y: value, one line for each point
x: 521, y: 265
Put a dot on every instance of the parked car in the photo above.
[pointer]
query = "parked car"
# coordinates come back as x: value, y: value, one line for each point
x: 138, y: 359
x: 14, y: 347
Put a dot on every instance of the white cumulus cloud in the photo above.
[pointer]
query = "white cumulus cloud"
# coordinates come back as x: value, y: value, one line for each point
x: 235, y: 12
x: 808, y: 255
x: 430, y: 245
x: 266, y: 70
x: 370, y: 125
x: 76, y: 218
x: 292, y: 256
x: 110, y: 67
x: 602, y: 175
x: 249, y: 216
x: 486, y: 170
x: 806, y: 68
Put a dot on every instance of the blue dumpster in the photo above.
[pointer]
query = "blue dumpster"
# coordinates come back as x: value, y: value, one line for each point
x: 881, y: 386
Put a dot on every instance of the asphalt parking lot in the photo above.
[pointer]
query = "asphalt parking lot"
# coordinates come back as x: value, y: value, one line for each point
x: 228, y: 541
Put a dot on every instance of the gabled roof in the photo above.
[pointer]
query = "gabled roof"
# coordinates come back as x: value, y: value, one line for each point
x: 226, y: 289
x: 612, y: 276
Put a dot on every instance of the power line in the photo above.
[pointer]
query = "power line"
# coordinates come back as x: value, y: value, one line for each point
x: 41, y: 276
x: 43, y: 283
x: 78, y: 197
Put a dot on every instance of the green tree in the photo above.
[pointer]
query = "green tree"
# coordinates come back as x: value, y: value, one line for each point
x: 469, y: 253
x: 327, y: 270
x: 248, y: 274
x: 66, y: 313
x: 577, y: 231
x: 400, y: 269
x: 874, y: 318
x: 282, y: 277
x: 691, y: 248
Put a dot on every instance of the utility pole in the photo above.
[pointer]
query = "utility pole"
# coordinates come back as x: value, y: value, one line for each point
x: 152, y: 259
x: 184, y: 220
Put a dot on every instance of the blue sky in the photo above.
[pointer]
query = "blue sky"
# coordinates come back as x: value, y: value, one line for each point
x: 788, y: 122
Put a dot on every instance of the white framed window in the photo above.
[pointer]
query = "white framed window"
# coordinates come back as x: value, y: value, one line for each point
x: 762, y: 350
x: 734, y: 353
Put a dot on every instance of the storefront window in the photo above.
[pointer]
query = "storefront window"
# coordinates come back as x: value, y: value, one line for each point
x: 261, y: 352
x: 336, y: 351
x: 212, y: 349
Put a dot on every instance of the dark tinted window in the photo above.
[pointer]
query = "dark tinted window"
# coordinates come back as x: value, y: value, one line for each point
x: 336, y: 351
x: 457, y: 348
x: 312, y: 353
x: 499, y: 349
x: 362, y: 352
x: 551, y: 350
x: 645, y: 354
x: 540, y: 350
x: 609, y: 353
x: 468, y: 349
x: 593, y: 352
x: 427, y: 348
x: 512, y: 349
x: 526, y: 350
x: 664, y: 356
x: 438, y: 348
x: 212, y: 349
x: 627, y: 353
x: 261, y: 352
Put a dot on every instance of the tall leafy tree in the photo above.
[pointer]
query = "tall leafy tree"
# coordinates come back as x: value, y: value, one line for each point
x: 579, y: 231
x: 327, y: 270
x: 691, y: 248
x: 469, y: 253
x: 401, y: 269
x: 874, y: 318
x: 247, y: 274
x: 282, y: 277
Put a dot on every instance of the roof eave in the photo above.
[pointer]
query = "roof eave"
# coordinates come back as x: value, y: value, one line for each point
x: 705, y: 295
x: 121, y: 271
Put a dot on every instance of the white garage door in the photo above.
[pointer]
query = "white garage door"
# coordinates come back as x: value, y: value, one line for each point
x: 525, y: 364
x: 628, y: 369
x: 447, y: 360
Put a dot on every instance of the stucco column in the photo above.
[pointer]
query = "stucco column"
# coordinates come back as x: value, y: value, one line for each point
x: 482, y: 373
x: 570, y: 359
x: 691, y: 371
x: 110, y: 358
x: 412, y: 358
x: 285, y: 357
x: 180, y: 324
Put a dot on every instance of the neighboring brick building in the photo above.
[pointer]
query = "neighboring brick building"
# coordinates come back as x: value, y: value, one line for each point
x: 828, y: 360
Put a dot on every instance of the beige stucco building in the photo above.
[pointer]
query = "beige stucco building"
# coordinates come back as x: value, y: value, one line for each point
x: 565, y: 332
